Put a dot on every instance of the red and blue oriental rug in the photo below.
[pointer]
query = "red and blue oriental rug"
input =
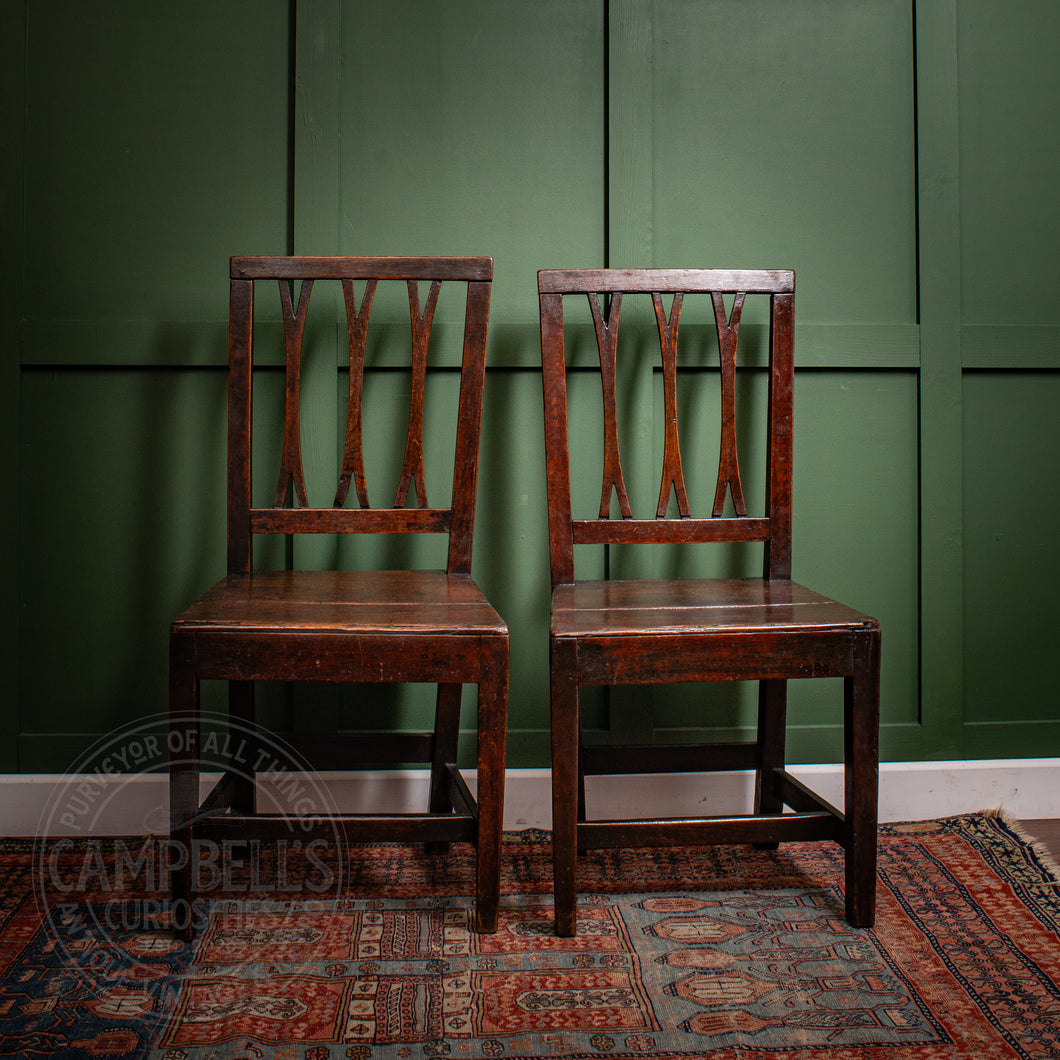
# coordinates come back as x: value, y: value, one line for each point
x: 720, y: 952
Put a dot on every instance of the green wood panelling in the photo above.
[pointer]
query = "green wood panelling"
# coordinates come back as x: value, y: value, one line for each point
x: 1012, y: 507
x: 156, y: 146
x: 901, y: 155
x: 475, y: 128
x: 1010, y: 166
x: 1011, y: 347
x: 790, y: 146
x: 317, y: 130
x: 110, y: 554
x: 1010, y: 226
x: 631, y: 160
x: 855, y: 531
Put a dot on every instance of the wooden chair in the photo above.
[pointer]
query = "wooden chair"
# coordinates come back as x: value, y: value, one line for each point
x: 650, y: 631
x: 348, y: 625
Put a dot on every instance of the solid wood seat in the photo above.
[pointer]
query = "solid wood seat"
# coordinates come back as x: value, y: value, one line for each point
x: 632, y: 631
x: 362, y: 627
x: 382, y: 604
x: 706, y: 607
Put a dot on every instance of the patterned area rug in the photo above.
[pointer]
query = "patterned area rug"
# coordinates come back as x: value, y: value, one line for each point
x: 723, y: 952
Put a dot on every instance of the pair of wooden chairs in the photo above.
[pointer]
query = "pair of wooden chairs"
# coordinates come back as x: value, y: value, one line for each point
x: 437, y: 627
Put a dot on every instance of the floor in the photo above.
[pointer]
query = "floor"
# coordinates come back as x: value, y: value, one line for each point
x: 1048, y: 832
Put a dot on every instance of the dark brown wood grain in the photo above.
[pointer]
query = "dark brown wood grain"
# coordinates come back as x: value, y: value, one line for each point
x: 350, y: 626
x: 412, y: 463
x: 291, y: 472
x: 607, y: 338
x: 653, y: 631
x: 729, y: 464
x: 357, y: 338
x: 673, y: 475
x: 311, y: 267
x: 589, y: 281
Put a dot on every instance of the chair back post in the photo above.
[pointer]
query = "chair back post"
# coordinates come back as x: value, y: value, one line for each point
x: 780, y: 455
x: 469, y: 425
x: 240, y: 362
x: 557, y: 457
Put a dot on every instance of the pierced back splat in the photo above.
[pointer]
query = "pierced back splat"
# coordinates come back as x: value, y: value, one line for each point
x: 673, y: 476
x: 353, y: 453
x: 729, y: 462
x: 607, y: 342
x: 412, y: 464
x: 291, y: 457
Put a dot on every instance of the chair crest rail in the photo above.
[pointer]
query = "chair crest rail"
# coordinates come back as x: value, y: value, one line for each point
x: 586, y: 281
x: 363, y: 268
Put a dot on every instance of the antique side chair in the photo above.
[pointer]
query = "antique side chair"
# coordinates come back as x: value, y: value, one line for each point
x: 379, y: 625
x: 641, y: 630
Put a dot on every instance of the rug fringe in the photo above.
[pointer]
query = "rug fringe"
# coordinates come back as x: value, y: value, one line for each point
x: 1038, y: 848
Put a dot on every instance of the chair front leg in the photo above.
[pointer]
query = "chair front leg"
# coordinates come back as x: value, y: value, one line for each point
x: 492, y: 738
x: 565, y: 785
x: 861, y: 773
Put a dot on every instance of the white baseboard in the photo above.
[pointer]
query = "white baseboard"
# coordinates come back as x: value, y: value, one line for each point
x: 134, y: 805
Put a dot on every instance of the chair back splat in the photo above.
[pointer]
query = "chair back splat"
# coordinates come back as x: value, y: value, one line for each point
x: 641, y: 630
x: 362, y: 626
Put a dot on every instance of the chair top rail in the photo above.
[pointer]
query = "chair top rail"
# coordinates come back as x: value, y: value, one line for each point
x: 586, y: 281
x: 340, y: 268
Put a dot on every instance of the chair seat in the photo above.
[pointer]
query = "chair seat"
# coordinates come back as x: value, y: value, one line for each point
x: 664, y: 606
x: 397, y: 602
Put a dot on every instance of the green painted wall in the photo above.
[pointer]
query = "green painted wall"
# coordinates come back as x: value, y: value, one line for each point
x: 901, y: 156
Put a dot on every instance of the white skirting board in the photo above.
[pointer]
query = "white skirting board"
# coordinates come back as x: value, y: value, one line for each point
x: 118, y: 804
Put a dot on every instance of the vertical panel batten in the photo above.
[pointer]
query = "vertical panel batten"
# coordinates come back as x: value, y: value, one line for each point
x: 941, y: 501
x: 12, y: 124
x: 630, y: 160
